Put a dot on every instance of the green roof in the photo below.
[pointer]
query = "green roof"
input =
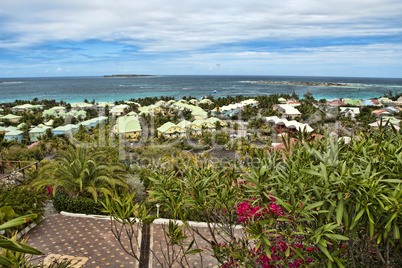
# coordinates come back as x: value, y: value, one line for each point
x: 165, y: 127
x: 10, y: 117
x: 49, y: 123
x: 128, y: 124
x: 353, y: 102
x: 37, y: 130
x: 14, y: 133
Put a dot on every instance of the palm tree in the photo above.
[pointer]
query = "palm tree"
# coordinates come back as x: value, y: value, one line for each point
x: 81, y: 173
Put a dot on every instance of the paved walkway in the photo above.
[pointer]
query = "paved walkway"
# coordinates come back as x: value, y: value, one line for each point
x: 80, y: 237
x: 91, y: 243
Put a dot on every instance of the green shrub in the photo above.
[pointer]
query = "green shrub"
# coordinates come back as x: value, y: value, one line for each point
x: 23, y: 200
x: 76, y: 204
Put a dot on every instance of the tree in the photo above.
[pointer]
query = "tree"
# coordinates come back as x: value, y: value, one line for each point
x: 82, y: 173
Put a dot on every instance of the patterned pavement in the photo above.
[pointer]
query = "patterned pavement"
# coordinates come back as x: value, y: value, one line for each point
x: 90, y: 243
x: 79, y: 238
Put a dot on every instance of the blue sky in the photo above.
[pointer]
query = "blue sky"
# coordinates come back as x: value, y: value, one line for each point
x: 251, y: 37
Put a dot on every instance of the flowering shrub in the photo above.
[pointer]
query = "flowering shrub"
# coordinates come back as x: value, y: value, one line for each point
x: 275, y: 240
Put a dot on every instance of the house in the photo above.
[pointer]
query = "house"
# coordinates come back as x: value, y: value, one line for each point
x: 12, y: 118
x: 82, y: 106
x: 129, y: 127
x: 281, y: 125
x: 170, y: 129
x: 101, y: 106
x: 36, y: 132
x: 287, y: 110
x: 194, y: 102
x: 118, y: 110
x: 387, y: 120
x: 26, y: 107
x: 69, y: 129
x: 14, y: 135
x: 349, y: 111
x: 251, y: 102
x: 206, y: 101
x: 336, y: 102
x: 184, y: 127
x: 379, y: 113
x: 282, y: 100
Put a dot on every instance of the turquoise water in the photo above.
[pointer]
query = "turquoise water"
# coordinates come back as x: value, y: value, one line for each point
x: 76, y: 89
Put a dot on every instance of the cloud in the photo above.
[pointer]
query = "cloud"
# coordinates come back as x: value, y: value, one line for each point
x: 177, y: 25
x: 197, y: 34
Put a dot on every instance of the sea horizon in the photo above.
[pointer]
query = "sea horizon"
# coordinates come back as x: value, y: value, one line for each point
x: 78, y: 88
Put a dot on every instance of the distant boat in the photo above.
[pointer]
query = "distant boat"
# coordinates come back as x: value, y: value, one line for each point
x: 214, y: 92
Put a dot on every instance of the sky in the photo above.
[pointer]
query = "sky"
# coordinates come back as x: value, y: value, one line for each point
x: 354, y: 38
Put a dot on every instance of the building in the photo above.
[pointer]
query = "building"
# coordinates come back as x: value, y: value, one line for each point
x: 287, y: 110
x: 349, y: 111
x: 14, y: 135
x: 128, y: 127
x: 36, y: 133
x: 336, y: 103
x: 12, y: 118
x: 69, y: 129
x: 281, y: 125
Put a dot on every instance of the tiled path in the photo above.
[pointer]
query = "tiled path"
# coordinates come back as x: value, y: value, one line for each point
x: 91, y: 242
x: 80, y: 237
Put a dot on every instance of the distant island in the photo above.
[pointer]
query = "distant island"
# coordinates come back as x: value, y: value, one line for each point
x: 127, y: 75
x: 315, y: 84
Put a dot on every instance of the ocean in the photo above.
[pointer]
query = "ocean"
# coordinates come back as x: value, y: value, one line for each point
x: 76, y: 89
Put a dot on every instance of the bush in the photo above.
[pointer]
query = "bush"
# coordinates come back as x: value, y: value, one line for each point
x: 76, y: 204
x: 23, y: 200
x: 137, y: 186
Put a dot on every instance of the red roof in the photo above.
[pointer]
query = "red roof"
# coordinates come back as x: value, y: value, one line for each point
x: 375, y: 102
x: 336, y: 103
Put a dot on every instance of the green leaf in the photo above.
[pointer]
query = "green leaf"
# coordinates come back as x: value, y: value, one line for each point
x: 339, y: 211
x: 5, y: 262
x: 17, y: 221
x: 194, y: 251
x: 325, y: 251
x: 8, y: 244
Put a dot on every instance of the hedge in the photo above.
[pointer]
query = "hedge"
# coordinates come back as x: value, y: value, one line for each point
x: 76, y: 204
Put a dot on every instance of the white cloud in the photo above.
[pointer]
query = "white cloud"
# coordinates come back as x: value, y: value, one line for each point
x: 159, y: 25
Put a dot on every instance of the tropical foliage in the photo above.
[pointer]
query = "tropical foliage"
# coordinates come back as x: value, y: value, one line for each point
x: 81, y: 172
x: 318, y: 203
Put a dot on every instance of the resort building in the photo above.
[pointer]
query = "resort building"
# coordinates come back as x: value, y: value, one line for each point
x: 287, y: 110
x: 387, y: 120
x: 36, y: 133
x: 12, y: 118
x: 205, y: 101
x: 118, y: 110
x: 281, y: 125
x: 129, y: 127
x: 82, y: 106
x: 26, y: 107
x: 185, y: 127
x: 349, y: 111
x: 151, y: 109
x: 101, y: 106
x: 196, y: 111
x: 14, y: 135
x: 69, y: 129
x: 336, y: 103
x: 169, y: 129
x: 93, y: 122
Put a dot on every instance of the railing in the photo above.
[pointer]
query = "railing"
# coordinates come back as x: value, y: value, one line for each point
x: 9, y: 167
